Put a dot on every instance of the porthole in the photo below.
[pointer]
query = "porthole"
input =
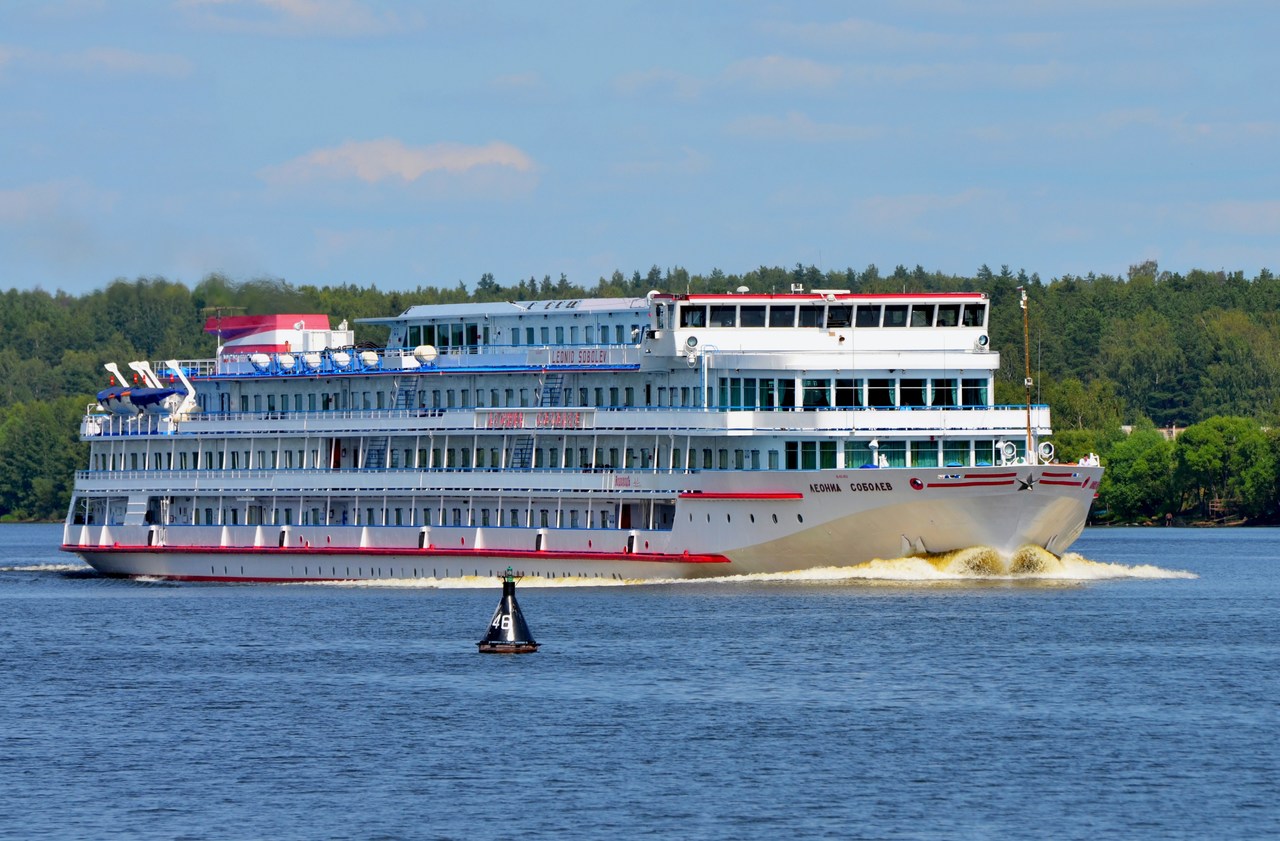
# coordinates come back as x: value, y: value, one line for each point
x: 708, y: 518
x: 753, y: 518
x: 800, y: 517
x: 728, y: 518
x: 775, y: 518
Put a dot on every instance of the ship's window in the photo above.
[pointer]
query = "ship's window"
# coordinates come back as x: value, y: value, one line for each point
x: 588, y: 333
x: 848, y: 394
x: 781, y: 315
x: 868, y: 315
x: 724, y: 316
x: 911, y: 393
x: 415, y: 335
x: 691, y: 316
x: 893, y: 453
x: 984, y: 453
x: 456, y: 335
x: 429, y: 334
x: 473, y: 335
x: 811, y: 315
x: 793, y: 455
x: 955, y: 453
x: 924, y: 453
x: 839, y: 315
x: 546, y: 335
x: 858, y: 454
x: 817, y: 394
x: 620, y: 334
x: 528, y: 336
x: 948, y: 315
x: 895, y: 315
x: 751, y: 316
x: 749, y: 392
x: 944, y: 392
x: 629, y: 396
x: 573, y: 335
x: 973, y: 392
x: 975, y: 315
x: 808, y: 455
x: 515, y: 337
x: 827, y: 455
x: 922, y: 315
x: 880, y: 393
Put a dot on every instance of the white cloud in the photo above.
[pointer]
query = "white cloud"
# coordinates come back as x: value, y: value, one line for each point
x: 373, y: 161
x: 343, y: 18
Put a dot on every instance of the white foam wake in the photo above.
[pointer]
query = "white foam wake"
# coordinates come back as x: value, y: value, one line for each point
x: 46, y: 568
x: 978, y: 564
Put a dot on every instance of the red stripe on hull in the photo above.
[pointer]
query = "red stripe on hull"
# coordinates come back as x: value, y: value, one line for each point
x: 712, y: 495
x: 1064, y: 484
x: 430, y: 552
x: 968, y: 484
x: 990, y: 475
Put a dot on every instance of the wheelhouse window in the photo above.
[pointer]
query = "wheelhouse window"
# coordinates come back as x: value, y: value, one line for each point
x: 922, y: 315
x: 751, y: 316
x: 948, y: 315
x: 724, y: 316
x: 811, y: 316
x: 839, y: 315
x: 782, y: 316
x: 693, y: 316
x: 868, y: 315
x: 895, y: 315
x: 975, y: 315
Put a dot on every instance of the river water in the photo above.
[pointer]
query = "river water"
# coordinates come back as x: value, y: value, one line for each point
x: 1131, y: 692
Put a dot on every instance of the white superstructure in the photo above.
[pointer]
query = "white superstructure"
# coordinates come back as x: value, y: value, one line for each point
x: 665, y: 436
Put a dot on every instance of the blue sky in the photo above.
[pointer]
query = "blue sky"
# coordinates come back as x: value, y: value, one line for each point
x: 404, y: 143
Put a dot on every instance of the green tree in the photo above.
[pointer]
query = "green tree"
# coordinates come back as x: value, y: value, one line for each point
x: 1139, y: 474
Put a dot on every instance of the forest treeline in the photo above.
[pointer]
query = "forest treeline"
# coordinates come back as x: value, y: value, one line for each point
x: 1152, y: 350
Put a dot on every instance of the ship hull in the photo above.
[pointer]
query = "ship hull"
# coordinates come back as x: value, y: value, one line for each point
x: 729, y: 524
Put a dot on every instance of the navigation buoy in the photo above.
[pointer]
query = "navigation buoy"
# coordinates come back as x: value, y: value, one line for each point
x: 508, y: 632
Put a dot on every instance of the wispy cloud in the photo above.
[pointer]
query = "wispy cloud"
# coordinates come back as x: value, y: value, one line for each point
x: 781, y: 73
x: 374, y: 161
x: 661, y: 81
x: 340, y: 18
x: 98, y: 60
x: 799, y: 127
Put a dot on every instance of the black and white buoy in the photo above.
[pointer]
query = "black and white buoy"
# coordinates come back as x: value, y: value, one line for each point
x: 508, y: 632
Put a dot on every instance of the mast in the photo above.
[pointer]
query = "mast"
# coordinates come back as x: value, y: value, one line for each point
x: 1026, y: 358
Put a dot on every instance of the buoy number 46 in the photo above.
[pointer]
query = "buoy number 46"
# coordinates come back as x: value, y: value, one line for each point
x: 503, y: 622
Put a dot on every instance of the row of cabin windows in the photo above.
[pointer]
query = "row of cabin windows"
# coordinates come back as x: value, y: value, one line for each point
x: 605, y: 396
x: 510, y: 517
x: 832, y: 316
x: 767, y: 394
x: 734, y: 393
x: 445, y: 336
x: 798, y: 455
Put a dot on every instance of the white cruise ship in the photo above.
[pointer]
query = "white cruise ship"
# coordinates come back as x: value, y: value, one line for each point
x: 669, y: 436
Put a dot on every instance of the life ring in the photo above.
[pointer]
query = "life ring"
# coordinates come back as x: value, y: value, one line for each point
x: 1045, y: 450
